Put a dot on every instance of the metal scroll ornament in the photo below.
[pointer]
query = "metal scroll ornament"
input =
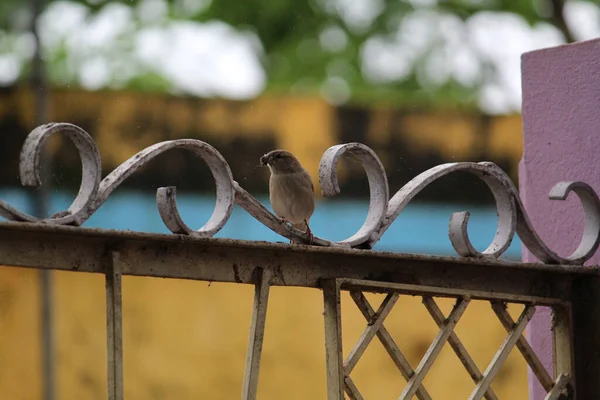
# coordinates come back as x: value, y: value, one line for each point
x: 383, y: 210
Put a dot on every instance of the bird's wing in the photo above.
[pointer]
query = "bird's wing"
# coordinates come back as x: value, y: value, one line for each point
x: 307, y: 175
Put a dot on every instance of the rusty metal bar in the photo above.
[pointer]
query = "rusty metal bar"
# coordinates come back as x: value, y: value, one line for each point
x: 114, y: 328
x: 224, y: 260
x: 41, y: 197
x: 457, y: 346
x: 257, y: 332
x: 333, y: 340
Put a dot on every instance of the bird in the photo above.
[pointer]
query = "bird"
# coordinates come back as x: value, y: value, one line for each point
x: 291, y: 189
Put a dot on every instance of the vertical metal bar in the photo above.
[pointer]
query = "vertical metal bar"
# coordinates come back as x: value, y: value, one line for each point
x: 38, y: 86
x: 586, y: 337
x: 47, y: 334
x: 257, y: 333
x: 333, y: 340
x: 562, y: 343
x: 114, y: 329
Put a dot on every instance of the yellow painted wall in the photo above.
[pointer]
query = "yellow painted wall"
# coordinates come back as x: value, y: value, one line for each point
x: 20, y: 346
x: 187, y: 340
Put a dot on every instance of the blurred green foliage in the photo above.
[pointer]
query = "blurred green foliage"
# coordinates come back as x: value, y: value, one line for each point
x: 291, y: 35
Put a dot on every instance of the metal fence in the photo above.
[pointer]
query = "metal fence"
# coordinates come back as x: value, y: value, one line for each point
x: 571, y: 290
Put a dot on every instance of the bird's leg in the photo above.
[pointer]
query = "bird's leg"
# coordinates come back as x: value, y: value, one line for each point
x: 285, y: 221
x: 309, y: 233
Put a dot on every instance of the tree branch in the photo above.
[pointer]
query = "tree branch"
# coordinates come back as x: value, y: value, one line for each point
x: 558, y: 19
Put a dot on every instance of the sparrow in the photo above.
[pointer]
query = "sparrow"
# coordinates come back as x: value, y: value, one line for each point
x: 291, y: 190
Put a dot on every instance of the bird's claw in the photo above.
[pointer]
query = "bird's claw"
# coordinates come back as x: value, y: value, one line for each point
x: 309, y: 233
x: 310, y: 237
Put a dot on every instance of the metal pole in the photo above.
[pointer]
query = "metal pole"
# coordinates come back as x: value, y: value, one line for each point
x: 38, y: 84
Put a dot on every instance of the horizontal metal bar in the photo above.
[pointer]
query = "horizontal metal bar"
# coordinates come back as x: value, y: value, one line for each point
x: 432, y: 291
x: 224, y: 260
x: 257, y: 334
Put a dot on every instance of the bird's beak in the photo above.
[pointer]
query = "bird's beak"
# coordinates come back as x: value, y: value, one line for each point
x: 263, y: 160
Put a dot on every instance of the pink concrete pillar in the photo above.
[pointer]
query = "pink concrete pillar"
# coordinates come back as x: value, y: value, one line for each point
x: 561, y: 129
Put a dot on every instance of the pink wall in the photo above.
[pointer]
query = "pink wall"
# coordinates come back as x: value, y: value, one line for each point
x: 561, y: 125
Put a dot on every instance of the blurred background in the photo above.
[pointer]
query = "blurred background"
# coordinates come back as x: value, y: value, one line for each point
x: 422, y: 82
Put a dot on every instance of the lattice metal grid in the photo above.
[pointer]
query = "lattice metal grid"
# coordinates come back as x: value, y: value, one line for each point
x: 339, y: 369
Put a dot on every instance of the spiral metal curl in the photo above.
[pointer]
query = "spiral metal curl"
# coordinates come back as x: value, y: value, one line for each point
x: 383, y: 211
x: 29, y: 170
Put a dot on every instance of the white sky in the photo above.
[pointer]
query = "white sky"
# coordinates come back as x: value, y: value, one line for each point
x: 214, y: 59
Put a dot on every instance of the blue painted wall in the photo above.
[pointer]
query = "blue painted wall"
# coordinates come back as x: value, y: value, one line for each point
x: 421, y: 228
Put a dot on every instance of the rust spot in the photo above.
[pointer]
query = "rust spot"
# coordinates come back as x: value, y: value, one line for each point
x: 236, y: 274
